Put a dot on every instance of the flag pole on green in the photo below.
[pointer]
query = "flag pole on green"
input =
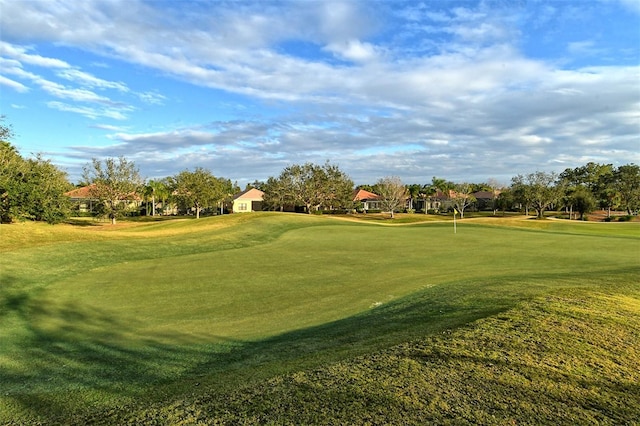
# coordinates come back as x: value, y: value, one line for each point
x: 455, y: 212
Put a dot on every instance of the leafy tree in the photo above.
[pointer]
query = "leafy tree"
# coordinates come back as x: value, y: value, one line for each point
x: 311, y: 186
x: 275, y: 193
x: 200, y: 189
x: 44, y: 197
x: 504, y: 200
x: 582, y: 201
x: 337, y: 189
x: 537, y: 190
x: 114, y: 182
x: 595, y: 178
x: 495, y: 188
x: 607, y: 193
x: 392, y: 193
x: 304, y: 184
x: 590, y: 176
x: 29, y: 188
x: 627, y: 184
x: 12, y: 169
x: 461, y: 196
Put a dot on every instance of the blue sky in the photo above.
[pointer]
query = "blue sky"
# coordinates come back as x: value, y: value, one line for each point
x: 464, y: 90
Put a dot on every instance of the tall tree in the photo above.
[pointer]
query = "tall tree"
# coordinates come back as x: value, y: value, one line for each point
x: 29, y: 188
x: 627, y: 184
x: 44, y: 198
x: 12, y: 170
x: 413, y: 191
x: 338, y: 188
x: 115, y: 183
x: 461, y: 196
x: 538, y: 190
x: 311, y: 186
x: 155, y: 190
x: 495, y: 188
x: 595, y: 178
x: 504, y: 200
x: 275, y: 193
x: 392, y: 192
x: 200, y: 189
x: 582, y: 201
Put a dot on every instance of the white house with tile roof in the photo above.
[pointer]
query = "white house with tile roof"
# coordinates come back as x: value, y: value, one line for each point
x: 248, y: 201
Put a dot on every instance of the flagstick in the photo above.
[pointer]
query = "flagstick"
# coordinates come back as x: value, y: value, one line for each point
x: 454, y: 222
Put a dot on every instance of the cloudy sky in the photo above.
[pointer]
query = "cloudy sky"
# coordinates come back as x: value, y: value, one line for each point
x: 463, y: 90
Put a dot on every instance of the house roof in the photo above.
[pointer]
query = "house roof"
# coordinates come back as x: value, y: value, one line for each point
x: 361, y: 194
x: 82, y: 192
x: 249, y: 194
x: 484, y: 195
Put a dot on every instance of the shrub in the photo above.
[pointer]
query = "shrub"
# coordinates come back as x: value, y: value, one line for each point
x: 626, y: 218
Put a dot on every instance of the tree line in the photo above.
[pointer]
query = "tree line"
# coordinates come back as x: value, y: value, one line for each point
x: 34, y: 189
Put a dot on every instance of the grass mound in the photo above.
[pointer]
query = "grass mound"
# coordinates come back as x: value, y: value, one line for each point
x: 567, y: 359
x: 190, y: 320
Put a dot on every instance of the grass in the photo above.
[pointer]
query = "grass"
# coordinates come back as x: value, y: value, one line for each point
x: 275, y: 318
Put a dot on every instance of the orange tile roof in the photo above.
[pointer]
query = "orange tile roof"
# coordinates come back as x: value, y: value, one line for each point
x: 362, y: 194
x: 82, y: 192
x: 85, y: 193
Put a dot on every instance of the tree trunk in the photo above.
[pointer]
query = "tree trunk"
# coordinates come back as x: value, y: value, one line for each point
x: 197, y: 212
x: 153, y: 204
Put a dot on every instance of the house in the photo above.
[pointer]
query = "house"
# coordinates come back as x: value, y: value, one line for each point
x: 82, y: 199
x: 249, y: 200
x: 485, y: 200
x: 438, y: 201
x: 369, y: 200
x: 86, y: 202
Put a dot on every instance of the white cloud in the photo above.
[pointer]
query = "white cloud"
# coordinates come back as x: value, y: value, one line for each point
x: 86, y: 79
x: 354, y: 50
x: 20, y: 53
x: 89, y: 112
x: 460, y: 95
x: 15, y: 85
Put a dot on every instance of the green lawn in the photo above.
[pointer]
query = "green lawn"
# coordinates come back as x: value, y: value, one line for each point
x: 281, y: 318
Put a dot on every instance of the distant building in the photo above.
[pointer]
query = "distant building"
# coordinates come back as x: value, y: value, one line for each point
x: 82, y: 200
x: 369, y: 200
x: 248, y: 201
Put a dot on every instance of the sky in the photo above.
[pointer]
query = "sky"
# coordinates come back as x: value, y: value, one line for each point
x: 460, y: 90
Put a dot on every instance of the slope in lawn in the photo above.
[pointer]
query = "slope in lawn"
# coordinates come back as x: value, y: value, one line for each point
x: 142, y: 318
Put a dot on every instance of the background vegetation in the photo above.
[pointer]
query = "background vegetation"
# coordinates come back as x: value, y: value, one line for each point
x: 289, y: 319
x: 35, y: 189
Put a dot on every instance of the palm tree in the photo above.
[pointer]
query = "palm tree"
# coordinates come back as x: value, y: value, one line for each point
x: 426, y: 193
x: 440, y: 185
x: 413, y: 190
x: 155, y: 190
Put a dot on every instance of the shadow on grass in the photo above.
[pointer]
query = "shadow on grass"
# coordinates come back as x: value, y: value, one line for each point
x: 69, y: 362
